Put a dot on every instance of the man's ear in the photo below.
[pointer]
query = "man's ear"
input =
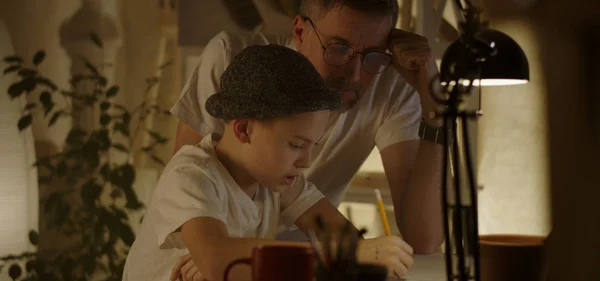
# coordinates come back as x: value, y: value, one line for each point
x: 241, y: 130
x: 299, y: 29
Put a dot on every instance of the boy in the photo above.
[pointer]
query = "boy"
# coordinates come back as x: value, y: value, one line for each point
x: 230, y: 193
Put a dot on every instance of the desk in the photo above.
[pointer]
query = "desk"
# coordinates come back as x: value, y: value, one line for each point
x: 426, y: 268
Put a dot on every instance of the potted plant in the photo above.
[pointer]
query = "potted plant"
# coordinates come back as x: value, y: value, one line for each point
x: 86, y: 196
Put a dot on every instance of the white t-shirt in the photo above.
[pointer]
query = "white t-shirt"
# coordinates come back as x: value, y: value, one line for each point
x: 388, y: 113
x: 195, y: 184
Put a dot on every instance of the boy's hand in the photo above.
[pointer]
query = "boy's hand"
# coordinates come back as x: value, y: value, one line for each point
x: 389, y: 251
x: 186, y: 270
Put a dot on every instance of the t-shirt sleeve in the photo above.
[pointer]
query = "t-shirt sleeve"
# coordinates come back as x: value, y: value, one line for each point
x: 298, y: 199
x: 204, y: 82
x: 402, y: 118
x: 188, y: 193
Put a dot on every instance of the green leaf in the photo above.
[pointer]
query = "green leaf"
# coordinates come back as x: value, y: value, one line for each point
x: 158, y: 137
x: 105, y: 171
x: 104, y: 106
x: 55, y: 117
x: 90, y: 67
x: 147, y: 148
x: 33, y: 237
x: 30, y: 106
x: 112, y: 91
x: 46, y: 99
x: 11, y: 68
x: 121, y: 128
x: 39, y: 57
x: 90, y: 192
x: 15, y: 271
x: 25, y: 72
x: 24, y: 122
x: 120, y: 147
x: 105, y: 119
x: 157, y: 159
x: 126, y: 234
x: 46, y: 82
x: 165, y: 65
x: 75, y: 136
x: 13, y: 59
x: 61, y: 169
x: 25, y: 85
x: 96, y: 39
x: 126, y: 118
x: 48, y: 109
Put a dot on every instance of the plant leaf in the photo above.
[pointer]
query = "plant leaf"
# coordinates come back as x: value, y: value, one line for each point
x: 33, y: 237
x: 112, y: 91
x: 24, y: 122
x: 158, y: 137
x: 120, y: 147
x: 91, y: 67
x: 30, y: 106
x: 26, y: 72
x: 11, y: 68
x: 39, y: 57
x: 55, y: 117
x: 46, y: 99
x: 96, y: 39
x: 156, y: 159
x: 46, y: 82
x: 13, y: 59
x: 126, y: 234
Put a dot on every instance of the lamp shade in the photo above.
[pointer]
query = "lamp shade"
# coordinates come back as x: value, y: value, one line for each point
x: 491, y: 59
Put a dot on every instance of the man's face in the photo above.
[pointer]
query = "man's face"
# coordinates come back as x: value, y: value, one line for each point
x: 280, y: 150
x: 343, y: 25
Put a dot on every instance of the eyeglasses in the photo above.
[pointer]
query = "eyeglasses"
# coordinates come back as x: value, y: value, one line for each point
x: 338, y: 54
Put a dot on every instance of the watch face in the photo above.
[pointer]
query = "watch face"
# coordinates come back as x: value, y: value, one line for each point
x: 525, y: 4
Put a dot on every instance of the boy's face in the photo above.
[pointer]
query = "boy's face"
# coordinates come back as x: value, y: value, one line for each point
x: 279, y: 150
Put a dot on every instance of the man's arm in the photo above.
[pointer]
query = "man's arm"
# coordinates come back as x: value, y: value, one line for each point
x: 185, y: 135
x: 413, y: 170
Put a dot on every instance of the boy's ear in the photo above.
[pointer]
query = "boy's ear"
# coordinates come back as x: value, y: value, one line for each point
x: 241, y: 129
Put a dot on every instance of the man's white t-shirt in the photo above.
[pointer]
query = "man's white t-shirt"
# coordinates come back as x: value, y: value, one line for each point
x: 388, y: 113
x: 195, y: 184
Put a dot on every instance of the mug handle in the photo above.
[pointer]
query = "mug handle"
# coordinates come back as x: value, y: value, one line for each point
x: 247, y: 261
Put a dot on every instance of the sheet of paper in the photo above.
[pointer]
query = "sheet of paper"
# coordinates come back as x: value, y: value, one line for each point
x: 426, y: 268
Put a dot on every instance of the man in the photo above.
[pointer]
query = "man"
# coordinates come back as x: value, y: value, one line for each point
x: 351, y: 43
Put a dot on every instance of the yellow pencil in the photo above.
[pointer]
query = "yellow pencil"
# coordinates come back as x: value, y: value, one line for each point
x: 384, y: 221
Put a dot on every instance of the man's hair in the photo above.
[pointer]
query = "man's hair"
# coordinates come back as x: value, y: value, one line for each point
x: 380, y: 9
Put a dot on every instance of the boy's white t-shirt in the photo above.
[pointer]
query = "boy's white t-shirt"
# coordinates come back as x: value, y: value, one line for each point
x: 195, y: 184
x: 388, y: 113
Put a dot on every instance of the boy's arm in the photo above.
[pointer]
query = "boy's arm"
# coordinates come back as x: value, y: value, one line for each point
x: 213, y: 250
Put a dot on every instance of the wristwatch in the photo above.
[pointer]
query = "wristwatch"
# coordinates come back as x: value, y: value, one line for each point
x: 432, y: 134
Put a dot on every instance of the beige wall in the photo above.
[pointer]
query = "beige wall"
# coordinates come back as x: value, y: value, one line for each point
x: 33, y: 25
x: 513, y: 148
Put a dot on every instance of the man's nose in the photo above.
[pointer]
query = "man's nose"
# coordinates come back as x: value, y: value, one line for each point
x: 353, y: 68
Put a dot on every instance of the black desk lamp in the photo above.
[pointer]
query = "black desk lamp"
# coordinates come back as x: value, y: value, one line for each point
x: 480, y: 57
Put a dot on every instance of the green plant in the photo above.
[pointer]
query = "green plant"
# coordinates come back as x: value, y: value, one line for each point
x: 91, y: 195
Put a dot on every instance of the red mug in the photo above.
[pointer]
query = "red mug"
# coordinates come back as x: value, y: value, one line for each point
x: 278, y: 263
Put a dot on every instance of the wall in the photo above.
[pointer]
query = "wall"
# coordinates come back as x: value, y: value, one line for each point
x: 513, y: 148
x: 33, y: 25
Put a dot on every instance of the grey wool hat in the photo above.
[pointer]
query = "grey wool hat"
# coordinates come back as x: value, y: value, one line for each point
x: 270, y: 81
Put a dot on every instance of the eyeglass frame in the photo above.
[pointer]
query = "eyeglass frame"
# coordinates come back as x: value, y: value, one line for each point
x: 354, y: 52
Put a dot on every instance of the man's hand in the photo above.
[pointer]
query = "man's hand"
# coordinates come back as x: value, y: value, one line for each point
x: 389, y: 251
x: 411, y: 55
x: 186, y: 270
x: 412, y: 58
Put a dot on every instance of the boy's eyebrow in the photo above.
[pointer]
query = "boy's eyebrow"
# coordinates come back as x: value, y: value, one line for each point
x: 303, y: 139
